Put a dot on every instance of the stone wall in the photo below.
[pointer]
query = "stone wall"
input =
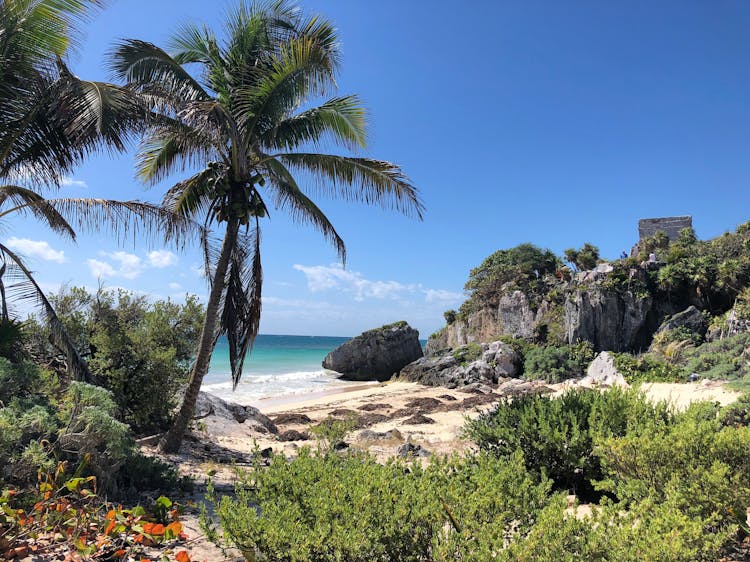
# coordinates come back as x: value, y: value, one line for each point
x: 670, y: 225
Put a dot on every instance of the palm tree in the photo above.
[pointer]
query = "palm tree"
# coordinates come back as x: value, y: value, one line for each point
x: 240, y: 119
x: 50, y: 121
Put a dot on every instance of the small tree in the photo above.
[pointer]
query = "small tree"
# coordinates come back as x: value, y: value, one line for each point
x: 584, y: 258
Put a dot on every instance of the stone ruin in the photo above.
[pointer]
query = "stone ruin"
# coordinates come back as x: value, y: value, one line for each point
x: 671, y: 226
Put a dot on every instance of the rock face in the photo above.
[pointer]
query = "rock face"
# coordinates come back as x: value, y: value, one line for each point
x: 474, y: 363
x: 610, y: 320
x: 217, y: 410
x: 602, y: 372
x: 376, y: 354
x: 690, y: 318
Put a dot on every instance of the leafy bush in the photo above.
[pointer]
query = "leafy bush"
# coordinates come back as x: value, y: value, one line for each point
x: 584, y: 258
x: 646, y: 368
x: 694, y: 462
x: 325, y: 507
x: 141, y: 351
x: 521, y: 268
x: 556, y: 435
x: 647, y: 530
x: 557, y: 363
x: 722, y: 359
x: 468, y: 353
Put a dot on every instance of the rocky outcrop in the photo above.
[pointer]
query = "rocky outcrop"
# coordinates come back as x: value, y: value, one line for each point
x: 691, y: 319
x: 513, y: 317
x: 610, y: 320
x: 603, y: 373
x: 473, y: 363
x: 216, y: 411
x: 376, y: 354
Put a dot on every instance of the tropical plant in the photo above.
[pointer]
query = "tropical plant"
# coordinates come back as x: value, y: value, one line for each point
x: 584, y: 258
x: 50, y: 121
x: 241, y: 118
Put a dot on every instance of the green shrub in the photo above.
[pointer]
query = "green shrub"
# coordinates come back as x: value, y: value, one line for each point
x: 468, y: 353
x: 694, y: 462
x: 139, y: 350
x: 646, y: 368
x: 722, y: 359
x: 647, y: 530
x: 557, y: 363
x: 556, y: 435
x: 323, y: 507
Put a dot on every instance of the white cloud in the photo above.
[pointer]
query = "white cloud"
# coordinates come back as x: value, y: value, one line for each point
x: 442, y: 296
x: 131, y: 265
x: 100, y: 269
x: 175, y: 286
x: 36, y: 248
x: 161, y: 259
x: 324, y: 277
x: 70, y: 182
x: 329, y: 277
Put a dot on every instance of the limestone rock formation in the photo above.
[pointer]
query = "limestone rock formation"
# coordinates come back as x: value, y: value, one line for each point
x: 691, y: 318
x: 473, y: 363
x: 610, y: 320
x: 217, y: 411
x: 602, y: 372
x: 376, y: 354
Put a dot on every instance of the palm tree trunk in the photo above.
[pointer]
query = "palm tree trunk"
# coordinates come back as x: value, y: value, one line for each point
x: 170, y: 443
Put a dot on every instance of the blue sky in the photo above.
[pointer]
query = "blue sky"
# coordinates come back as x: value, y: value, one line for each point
x: 551, y: 122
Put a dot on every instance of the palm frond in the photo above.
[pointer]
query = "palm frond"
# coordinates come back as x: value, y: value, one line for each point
x: 289, y: 196
x: 344, y: 120
x: 166, y: 150
x: 191, y: 198
x: 374, y: 182
x: 193, y: 43
x: 301, y: 69
x: 24, y: 201
x: 97, y: 113
x: 26, y: 288
x: 241, y: 302
x: 125, y: 219
x: 149, y: 69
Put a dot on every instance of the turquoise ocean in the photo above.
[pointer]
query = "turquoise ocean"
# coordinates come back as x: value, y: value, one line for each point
x: 277, y: 366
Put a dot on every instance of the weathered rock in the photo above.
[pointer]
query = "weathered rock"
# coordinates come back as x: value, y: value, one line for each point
x: 293, y: 435
x: 496, y: 360
x: 412, y: 450
x: 602, y: 372
x: 376, y: 354
x: 690, y: 318
x: 610, y: 320
x: 210, y: 405
x: 370, y: 435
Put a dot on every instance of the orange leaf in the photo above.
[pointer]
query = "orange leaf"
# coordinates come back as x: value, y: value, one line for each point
x: 111, y: 514
x: 182, y: 536
x: 120, y: 553
x: 174, y: 514
x: 183, y: 556
x: 175, y: 527
x: 148, y: 527
x: 157, y: 530
x: 110, y: 527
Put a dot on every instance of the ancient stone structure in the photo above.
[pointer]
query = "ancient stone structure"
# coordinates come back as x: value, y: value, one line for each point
x: 671, y: 226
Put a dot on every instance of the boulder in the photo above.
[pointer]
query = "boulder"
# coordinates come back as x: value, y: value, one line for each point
x: 691, y: 318
x: 475, y: 363
x: 412, y: 450
x: 212, y: 407
x: 602, y: 372
x: 376, y: 354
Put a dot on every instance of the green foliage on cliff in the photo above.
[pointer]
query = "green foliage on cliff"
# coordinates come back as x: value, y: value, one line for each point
x: 586, y: 257
x: 522, y: 268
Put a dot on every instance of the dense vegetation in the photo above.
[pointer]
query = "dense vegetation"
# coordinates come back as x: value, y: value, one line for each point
x: 675, y: 485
